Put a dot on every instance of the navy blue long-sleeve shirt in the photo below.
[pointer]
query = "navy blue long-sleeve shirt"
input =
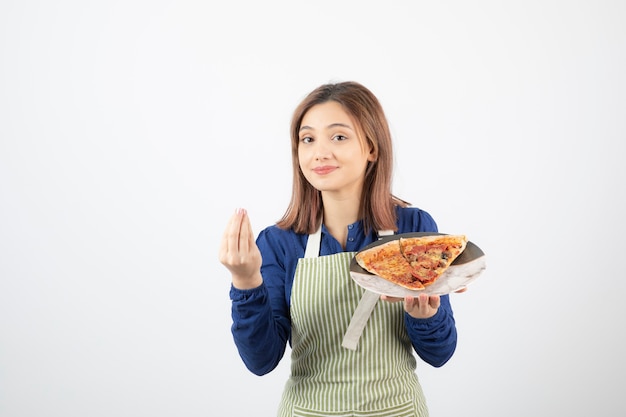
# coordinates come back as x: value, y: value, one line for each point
x: 261, y: 325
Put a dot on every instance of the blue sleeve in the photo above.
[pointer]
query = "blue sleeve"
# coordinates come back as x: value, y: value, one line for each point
x: 261, y: 324
x: 434, y: 339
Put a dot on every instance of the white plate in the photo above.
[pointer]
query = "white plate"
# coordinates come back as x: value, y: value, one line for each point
x: 465, y: 269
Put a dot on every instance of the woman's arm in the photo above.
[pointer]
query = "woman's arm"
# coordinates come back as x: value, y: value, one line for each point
x: 261, y: 325
x: 259, y: 334
x: 434, y: 339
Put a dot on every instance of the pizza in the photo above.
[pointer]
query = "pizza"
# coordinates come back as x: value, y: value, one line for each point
x: 412, y: 262
x: 387, y: 261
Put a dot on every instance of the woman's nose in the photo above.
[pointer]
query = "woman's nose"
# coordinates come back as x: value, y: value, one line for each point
x: 322, y: 152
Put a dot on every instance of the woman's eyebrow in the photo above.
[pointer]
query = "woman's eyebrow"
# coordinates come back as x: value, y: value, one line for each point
x: 330, y: 126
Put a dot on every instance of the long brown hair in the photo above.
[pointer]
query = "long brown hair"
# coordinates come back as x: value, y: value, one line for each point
x: 377, y: 208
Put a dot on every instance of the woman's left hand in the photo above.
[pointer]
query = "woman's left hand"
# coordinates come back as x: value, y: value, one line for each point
x: 421, y: 307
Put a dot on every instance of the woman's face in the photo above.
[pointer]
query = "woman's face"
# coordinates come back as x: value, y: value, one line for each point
x: 332, y: 155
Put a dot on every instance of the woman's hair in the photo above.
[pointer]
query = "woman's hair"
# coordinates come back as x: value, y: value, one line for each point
x: 377, y: 208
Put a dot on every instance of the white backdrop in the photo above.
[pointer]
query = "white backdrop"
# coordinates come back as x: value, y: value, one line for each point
x: 131, y: 130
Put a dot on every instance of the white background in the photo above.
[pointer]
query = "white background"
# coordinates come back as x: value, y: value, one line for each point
x: 131, y: 130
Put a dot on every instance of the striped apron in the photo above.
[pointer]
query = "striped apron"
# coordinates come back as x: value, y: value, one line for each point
x: 376, y: 378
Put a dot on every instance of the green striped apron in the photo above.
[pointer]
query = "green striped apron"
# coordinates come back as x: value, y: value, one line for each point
x: 375, y: 378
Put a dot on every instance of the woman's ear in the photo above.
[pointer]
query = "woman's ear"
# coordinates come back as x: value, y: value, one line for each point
x: 373, y: 155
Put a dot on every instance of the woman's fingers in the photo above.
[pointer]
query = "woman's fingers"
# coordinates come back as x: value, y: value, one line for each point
x: 234, y: 238
x: 422, y: 306
x: 239, y: 252
x: 246, y: 236
x: 230, y: 245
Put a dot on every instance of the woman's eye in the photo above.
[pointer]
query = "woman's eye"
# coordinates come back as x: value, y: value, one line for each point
x: 339, y: 138
x: 306, y: 139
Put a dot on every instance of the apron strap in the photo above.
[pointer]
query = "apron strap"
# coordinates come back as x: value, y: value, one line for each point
x: 362, y: 313
x: 313, y: 244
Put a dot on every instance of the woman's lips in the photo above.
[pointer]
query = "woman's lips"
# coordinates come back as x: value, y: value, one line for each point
x: 324, y: 170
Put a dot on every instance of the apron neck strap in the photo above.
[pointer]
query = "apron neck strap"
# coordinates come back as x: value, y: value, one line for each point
x: 313, y: 244
x: 385, y: 233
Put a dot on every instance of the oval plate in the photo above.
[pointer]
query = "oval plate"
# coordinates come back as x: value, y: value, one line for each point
x: 465, y: 269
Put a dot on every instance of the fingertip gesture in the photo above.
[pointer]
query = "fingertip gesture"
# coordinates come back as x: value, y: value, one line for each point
x: 239, y: 252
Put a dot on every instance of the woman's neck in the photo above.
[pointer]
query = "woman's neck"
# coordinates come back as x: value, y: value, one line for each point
x: 338, y: 215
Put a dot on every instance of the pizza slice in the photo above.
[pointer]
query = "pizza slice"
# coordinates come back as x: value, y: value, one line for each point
x: 412, y: 262
x: 430, y: 256
x: 386, y: 261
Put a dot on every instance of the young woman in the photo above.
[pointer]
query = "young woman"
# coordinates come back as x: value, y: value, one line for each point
x: 351, y: 353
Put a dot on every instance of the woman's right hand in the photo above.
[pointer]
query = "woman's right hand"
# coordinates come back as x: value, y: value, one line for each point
x: 239, y: 252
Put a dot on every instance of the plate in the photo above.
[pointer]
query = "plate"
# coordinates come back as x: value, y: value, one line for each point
x: 464, y: 270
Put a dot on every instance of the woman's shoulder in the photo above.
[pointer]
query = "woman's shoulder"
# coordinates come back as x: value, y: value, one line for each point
x: 275, y: 233
x: 277, y: 237
x: 415, y: 219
